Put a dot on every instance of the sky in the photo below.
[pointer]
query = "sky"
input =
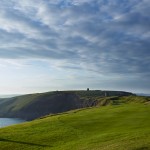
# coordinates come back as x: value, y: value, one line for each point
x: 48, y: 45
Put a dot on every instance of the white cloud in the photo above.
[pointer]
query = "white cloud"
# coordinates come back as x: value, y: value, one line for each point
x: 104, y: 37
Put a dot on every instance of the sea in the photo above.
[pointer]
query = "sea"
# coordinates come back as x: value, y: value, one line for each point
x: 9, y: 121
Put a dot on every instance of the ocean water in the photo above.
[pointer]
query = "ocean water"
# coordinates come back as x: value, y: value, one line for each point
x: 9, y: 121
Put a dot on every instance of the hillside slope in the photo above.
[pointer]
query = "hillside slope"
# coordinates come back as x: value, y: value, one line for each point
x: 32, y: 106
x: 115, y: 127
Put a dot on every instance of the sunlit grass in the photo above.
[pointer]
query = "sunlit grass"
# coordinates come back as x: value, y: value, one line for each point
x: 116, y: 127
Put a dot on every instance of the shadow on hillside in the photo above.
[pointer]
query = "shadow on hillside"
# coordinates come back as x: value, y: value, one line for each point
x: 142, y: 148
x: 20, y: 142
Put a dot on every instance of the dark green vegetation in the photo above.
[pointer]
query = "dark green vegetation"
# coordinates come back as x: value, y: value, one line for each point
x: 124, y: 124
x: 32, y: 106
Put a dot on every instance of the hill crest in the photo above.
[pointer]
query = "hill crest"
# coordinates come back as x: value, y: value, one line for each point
x: 32, y: 106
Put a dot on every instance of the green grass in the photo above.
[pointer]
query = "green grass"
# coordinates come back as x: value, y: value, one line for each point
x: 116, y: 127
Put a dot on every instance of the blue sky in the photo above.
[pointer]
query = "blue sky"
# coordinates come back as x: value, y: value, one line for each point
x: 50, y: 45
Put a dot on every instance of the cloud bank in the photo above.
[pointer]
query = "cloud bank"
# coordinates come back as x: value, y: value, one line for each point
x: 110, y: 38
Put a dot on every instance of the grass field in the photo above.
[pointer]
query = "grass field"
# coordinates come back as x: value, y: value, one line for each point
x: 117, y: 127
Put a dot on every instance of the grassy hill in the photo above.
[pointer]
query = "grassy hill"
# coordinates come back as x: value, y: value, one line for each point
x: 32, y: 106
x: 123, y: 125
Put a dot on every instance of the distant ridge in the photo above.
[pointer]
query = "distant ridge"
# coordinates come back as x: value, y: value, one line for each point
x: 32, y: 106
x: 142, y: 94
